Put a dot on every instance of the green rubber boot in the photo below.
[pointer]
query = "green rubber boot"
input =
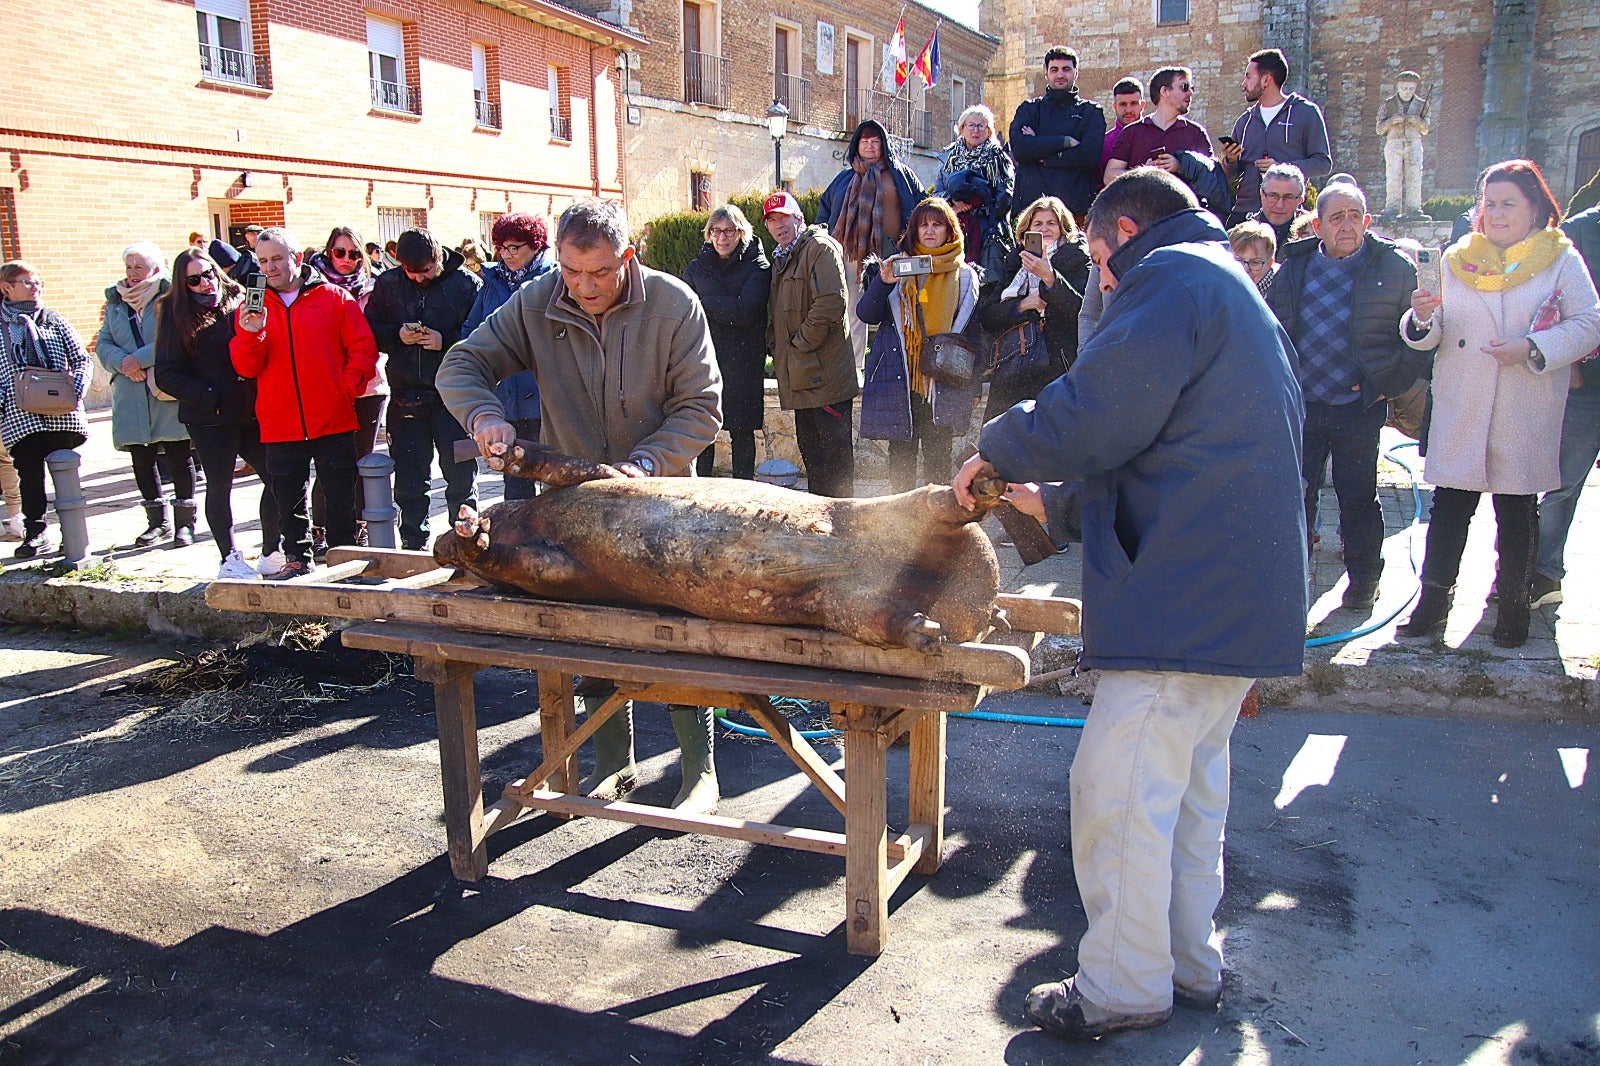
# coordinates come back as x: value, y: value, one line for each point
x: 695, y: 727
x: 614, y: 770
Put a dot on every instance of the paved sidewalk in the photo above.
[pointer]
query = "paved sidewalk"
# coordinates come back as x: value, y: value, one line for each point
x: 1552, y: 676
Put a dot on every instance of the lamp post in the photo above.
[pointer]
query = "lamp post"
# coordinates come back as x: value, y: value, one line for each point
x: 777, y: 125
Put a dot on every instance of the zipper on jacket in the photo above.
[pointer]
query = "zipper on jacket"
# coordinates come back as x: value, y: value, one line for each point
x: 294, y: 368
x: 622, y: 373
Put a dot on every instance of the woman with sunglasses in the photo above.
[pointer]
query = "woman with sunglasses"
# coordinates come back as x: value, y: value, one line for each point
x: 343, y: 263
x: 33, y: 335
x: 522, y: 253
x: 144, y: 417
x: 194, y: 325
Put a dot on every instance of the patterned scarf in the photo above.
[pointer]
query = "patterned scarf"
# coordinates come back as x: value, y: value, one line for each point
x: 939, y: 295
x: 515, y: 278
x: 871, y: 215
x: 1478, y: 262
x: 357, y: 285
x: 20, y: 322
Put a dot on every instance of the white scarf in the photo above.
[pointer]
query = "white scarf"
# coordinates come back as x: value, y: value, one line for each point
x: 139, y: 296
x: 1026, y: 283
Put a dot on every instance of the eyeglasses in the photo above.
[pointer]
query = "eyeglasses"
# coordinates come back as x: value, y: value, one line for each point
x: 723, y: 231
x: 194, y: 281
x: 26, y: 282
x: 1184, y: 88
x: 513, y: 247
x: 1254, y: 264
x: 344, y: 253
x: 1283, y: 197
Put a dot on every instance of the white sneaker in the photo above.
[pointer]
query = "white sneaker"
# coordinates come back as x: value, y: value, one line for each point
x: 234, y: 568
x: 11, y: 528
x: 270, y: 564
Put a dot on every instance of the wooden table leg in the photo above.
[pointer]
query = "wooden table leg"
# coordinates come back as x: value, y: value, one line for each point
x: 866, y: 830
x: 927, y: 786
x: 558, y: 720
x: 458, y: 764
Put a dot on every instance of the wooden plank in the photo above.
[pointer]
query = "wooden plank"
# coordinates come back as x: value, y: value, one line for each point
x: 459, y: 768
x: 690, y: 670
x: 490, y: 611
x: 327, y: 575
x: 799, y: 749
x: 558, y: 716
x: 866, y: 831
x: 388, y: 562
x: 558, y: 756
x: 783, y: 836
x: 918, y: 840
x: 426, y: 579
x: 926, y: 802
x: 1042, y: 614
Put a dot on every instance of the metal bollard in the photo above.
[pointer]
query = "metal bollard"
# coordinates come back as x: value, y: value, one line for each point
x: 70, y: 507
x: 377, y: 497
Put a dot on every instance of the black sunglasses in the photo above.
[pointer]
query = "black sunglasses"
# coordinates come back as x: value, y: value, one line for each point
x: 194, y: 280
x: 341, y: 253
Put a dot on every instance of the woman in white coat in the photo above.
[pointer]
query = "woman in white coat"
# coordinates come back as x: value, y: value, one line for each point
x: 1516, y: 310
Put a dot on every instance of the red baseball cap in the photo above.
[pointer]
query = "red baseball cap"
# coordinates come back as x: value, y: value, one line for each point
x: 782, y: 203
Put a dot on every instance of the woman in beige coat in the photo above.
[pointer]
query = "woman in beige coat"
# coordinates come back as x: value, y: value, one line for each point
x: 1516, y: 310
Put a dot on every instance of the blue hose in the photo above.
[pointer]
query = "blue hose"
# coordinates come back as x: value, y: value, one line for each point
x: 1078, y: 723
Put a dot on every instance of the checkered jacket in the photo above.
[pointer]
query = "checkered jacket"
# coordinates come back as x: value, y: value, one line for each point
x: 63, y: 351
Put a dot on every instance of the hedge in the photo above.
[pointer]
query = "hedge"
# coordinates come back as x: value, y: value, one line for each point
x: 675, y: 239
x: 1447, y: 208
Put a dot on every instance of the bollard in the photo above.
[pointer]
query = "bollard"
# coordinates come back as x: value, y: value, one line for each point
x: 377, y: 497
x: 70, y: 507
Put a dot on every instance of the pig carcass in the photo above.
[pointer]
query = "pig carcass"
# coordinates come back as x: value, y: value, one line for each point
x: 907, y: 570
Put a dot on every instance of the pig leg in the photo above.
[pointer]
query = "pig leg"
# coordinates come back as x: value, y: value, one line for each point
x: 537, y: 567
x: 540, y: 462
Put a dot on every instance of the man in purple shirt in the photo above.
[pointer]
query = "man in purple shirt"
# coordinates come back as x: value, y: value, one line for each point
x: 1159, y: 136
x: 1127, y: 104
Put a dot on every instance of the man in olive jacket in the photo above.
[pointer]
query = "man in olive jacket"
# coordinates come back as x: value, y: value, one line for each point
x: 626, y: 376
x: 809, y: 339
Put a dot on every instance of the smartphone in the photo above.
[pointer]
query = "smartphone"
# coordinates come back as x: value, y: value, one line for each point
x: 414, y: 327
x: 255, y: 296
x: 1227, y: 140
x: 1428, y: 272
x: 912, y: 265
x: 1034, y: 243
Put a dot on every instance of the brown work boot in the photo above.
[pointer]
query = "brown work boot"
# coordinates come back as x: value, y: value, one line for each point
x: 1058, y: 1008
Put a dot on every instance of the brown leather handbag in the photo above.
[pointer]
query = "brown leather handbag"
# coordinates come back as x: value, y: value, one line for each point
x: 947, y: 358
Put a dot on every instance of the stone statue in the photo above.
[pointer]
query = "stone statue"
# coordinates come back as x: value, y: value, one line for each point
x: 1402, y: 122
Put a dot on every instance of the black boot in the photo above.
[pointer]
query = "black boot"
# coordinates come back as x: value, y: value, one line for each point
x: 35, y: 541
x: 1511, y: 622
x: 1517, y: 523
x: 159, y: 518
x: 1432, y: 609
x: 183, y: 515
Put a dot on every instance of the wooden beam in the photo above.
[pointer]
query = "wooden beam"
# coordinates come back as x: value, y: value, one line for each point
x: 685, y: 669
x: 558, y: 717
x: 643, y: 629
x: 1042, y: 614
x: 327, y: 575
x: 799, y: 749
x: 459, y: 768
x: 918, y: 841
x: 866, y: 890
x: 926, y: 801
x: 557, y: 756
x: 426, y: 579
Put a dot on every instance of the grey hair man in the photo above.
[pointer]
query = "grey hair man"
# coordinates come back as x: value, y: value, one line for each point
x: 1283, y: 195
x: 1340, y: 298
x: 626, y: 376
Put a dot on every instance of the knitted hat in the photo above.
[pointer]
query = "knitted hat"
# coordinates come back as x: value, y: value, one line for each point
x: 224, y: 255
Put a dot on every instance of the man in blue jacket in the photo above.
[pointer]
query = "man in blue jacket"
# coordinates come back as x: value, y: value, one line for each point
x: 1181, y: 419
x: 1277, y: 127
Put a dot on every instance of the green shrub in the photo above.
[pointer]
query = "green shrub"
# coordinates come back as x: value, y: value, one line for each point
x: 1447, y: 208
x: 675, y: 239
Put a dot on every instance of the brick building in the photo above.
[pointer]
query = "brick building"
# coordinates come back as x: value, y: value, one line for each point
x: 209, y: 115
x: 1479, y: 57
x: 697, y: 97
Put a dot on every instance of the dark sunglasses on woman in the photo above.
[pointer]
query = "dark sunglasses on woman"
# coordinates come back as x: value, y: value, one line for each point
x: 194, y: 281
x: 341, y: 253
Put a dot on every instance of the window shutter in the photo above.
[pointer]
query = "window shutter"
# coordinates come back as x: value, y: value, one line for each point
x: 385, y: 38
x: 237, y: 10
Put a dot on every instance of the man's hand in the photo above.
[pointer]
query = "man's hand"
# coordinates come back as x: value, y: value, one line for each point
x: 1072, y: 142
x: 631, y: 469
x: 1025, y: 497
x: 1166, y: 161
x: 970, y: 471
x: 1232, y: 152
x: 430, y: 339
x: 253, y: 321
x: 1265, y: 163
x: 1508, y: 353
x: 494, y: 435
x: 1027, y: 131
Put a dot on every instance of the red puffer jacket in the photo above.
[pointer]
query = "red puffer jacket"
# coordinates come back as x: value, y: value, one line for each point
x: 310, y: 363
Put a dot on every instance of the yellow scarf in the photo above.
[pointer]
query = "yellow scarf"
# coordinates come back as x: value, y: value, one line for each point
x: 939, y: 294
x: 1477, y: 262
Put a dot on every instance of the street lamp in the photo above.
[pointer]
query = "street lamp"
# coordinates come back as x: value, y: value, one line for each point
x: 777, y: 125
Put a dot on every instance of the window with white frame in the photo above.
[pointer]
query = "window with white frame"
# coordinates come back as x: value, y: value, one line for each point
x: 560, y: 105
x: 386, y: 57
x: 225, y: 46
x: 485, y: 98
x: 486, y: 221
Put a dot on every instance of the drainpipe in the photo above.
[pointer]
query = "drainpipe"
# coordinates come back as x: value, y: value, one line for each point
x: 594, y: 127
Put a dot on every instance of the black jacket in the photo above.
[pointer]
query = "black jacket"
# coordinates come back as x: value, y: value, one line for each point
x: 201, y: 375
x: 734, y: 293
x: 1583, y: 230
x: 1062, y: 300
x: 1045, y: 165
x: 1382, y: 294
x: 442, y: 304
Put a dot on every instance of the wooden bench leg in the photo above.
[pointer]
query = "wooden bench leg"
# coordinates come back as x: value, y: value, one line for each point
x: 927, y: 786
x: 558, y: 720
x: 866, y: 830
x: 458, y: 765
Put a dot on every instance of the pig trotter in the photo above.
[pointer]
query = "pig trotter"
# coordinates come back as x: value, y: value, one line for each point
x: 999, y: 621
x: 473, y: 529
x: 921, y: 633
